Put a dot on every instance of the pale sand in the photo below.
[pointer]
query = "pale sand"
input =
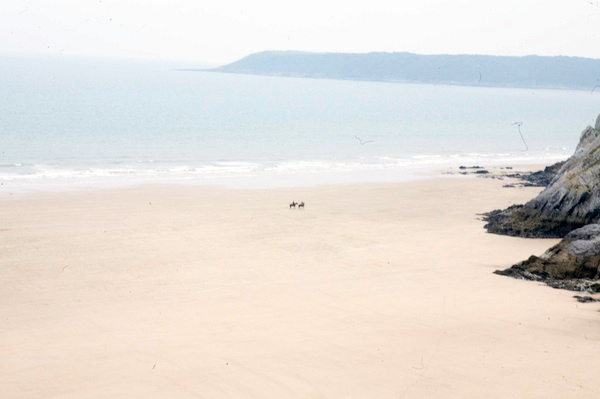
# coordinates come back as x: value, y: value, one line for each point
x: 372, y: 291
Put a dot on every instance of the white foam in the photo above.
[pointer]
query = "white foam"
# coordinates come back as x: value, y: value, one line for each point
x: 280, y: 172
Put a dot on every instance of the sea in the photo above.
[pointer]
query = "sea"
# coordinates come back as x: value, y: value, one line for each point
x: 70, y: 123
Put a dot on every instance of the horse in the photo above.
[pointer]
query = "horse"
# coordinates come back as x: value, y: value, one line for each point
x: 301, y: 205
x: 293, y: 205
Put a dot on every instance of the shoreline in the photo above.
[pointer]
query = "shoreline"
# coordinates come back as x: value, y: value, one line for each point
x: 383, y: 290
x: 383, y: 80
x: 301, y: 180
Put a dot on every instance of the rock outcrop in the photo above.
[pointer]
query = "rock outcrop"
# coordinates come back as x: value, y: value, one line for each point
x: 570, y: 201
x: 573, y: 264
x: 540, y: 178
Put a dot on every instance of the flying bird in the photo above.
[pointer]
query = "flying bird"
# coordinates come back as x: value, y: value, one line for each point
x: 521, y: 134
x: 362, y: 142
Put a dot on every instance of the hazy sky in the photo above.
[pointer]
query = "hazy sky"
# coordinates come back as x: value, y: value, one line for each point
x: 223, y: 31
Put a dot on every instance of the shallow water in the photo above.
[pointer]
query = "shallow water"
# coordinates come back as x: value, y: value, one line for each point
x: 88, y: 122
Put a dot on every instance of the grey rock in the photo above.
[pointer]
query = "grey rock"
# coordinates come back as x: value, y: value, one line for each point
x: 584, y: 242
x: 576, y: 258
x: 585, y: 299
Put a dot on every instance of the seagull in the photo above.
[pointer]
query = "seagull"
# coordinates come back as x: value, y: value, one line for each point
x: 362, y: 142
x: 521, y: 134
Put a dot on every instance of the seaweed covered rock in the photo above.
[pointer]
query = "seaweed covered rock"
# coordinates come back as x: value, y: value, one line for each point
x: 574, y: 263
x: 570, y: 201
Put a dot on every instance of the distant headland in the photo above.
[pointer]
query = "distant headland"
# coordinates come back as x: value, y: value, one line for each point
x: 473, y: 70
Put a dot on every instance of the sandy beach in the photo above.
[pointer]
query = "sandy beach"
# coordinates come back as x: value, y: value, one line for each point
x: 371, y: 291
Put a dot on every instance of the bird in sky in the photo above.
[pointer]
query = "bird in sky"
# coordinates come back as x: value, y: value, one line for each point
x: 362, y: 142
x: 519, y: 124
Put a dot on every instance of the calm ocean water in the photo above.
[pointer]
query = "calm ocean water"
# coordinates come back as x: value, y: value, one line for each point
x: 87, y: 123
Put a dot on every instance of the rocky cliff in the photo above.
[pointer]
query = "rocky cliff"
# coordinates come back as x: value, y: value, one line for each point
x: 570, y: 201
